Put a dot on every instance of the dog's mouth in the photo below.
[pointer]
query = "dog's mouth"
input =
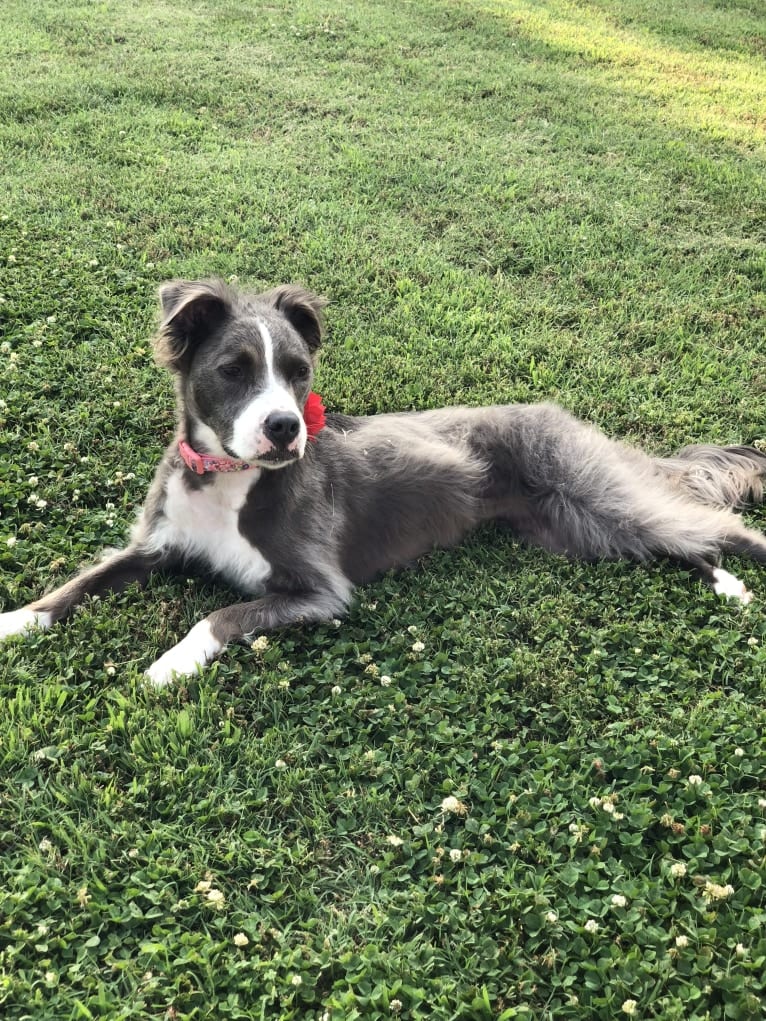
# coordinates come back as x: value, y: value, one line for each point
x: 277, y: 457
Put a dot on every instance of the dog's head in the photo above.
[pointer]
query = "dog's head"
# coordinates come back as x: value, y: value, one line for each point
x: 243, y: 366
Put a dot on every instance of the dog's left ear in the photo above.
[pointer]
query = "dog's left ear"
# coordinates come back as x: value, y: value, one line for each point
x: 302, y: 309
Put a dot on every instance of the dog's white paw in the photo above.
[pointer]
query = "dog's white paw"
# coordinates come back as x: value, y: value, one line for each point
x: 726, y: 584
x: 21, y: 622
x: 191, y: 654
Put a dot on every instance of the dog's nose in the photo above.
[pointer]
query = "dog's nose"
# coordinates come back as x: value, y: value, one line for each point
x: 281, y: 427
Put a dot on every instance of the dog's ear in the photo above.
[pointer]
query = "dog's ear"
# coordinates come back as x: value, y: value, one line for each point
x: 302, y: 309
x: 190, y: 310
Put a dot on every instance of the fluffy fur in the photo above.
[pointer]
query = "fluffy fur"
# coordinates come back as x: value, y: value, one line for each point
x: 311, y: 520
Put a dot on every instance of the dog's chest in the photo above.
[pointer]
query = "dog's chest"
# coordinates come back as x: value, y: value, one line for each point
x: 203, y: 523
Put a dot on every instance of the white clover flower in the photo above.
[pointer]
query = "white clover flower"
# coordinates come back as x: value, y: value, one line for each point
x: 714, y: 891
x: 296, y: 980
x: 11, y: 541
x: 33, y: 481
x: 453, y: 805
x: 216, y: 898
x: 761, y: 801
x: 629, y: 1007
x: 336, y: 690
x: 393, y: 840
x: 395, y: 1006
x: 740, y: 950
x: 678, y: 869
x: 418, y: 646
x: 739, y: 752
x: 280, y: 764
x: 241, y: 940
x: 455, y: 854
x: 551, y: 917
x: 618, y: 901
x: 335, y: 622
x: 595, y: 802
x: 413, y: 629
x: 694, y: 780
x: 682, y: 941
x: 578, y: 830
x: 51, y: 977
x: 385, y: 680
x: 591, y: 926
x: 608, y: 807
x: 260, y: 644
x: 5, y: 347
x: 45, y: 845
x: 203, y: 886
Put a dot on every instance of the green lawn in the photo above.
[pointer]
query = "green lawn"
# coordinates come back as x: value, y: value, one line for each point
x: 557, y: 807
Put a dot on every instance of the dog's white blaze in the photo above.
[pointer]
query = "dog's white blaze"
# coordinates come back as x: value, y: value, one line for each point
x: 21, y: 622
x: 190, y: 655
x: 204, y: 523
x: 726, y: 584
x: 247, y: 437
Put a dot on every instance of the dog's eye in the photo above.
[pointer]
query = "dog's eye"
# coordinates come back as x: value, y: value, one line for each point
x: 233, y: 371
x: 301, y: 372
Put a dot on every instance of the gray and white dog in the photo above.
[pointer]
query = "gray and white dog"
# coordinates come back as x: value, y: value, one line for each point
x: 297, y: 520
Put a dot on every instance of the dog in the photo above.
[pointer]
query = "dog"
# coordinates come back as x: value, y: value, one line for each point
x: 296, y: 508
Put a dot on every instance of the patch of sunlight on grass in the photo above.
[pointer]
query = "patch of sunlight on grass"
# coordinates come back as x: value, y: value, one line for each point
x: 718, y: 94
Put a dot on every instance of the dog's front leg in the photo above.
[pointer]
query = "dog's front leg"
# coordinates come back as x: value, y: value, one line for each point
x: 210, y: 636
x: 112, y: 574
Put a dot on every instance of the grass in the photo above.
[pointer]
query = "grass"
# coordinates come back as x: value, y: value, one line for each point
x: 557, y: 808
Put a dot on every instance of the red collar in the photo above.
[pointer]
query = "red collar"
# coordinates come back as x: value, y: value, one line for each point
x: 313, y: 416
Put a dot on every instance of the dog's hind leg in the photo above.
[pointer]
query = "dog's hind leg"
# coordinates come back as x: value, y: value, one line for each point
x: 564, y: 485
x: 210, y: 636
x: 112, y: 574
x: 721, y: 582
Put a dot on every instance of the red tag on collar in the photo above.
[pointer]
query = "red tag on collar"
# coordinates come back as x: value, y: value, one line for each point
x: 314, y: 415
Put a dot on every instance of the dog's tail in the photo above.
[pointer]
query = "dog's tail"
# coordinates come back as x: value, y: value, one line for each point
x: 722, y: 477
